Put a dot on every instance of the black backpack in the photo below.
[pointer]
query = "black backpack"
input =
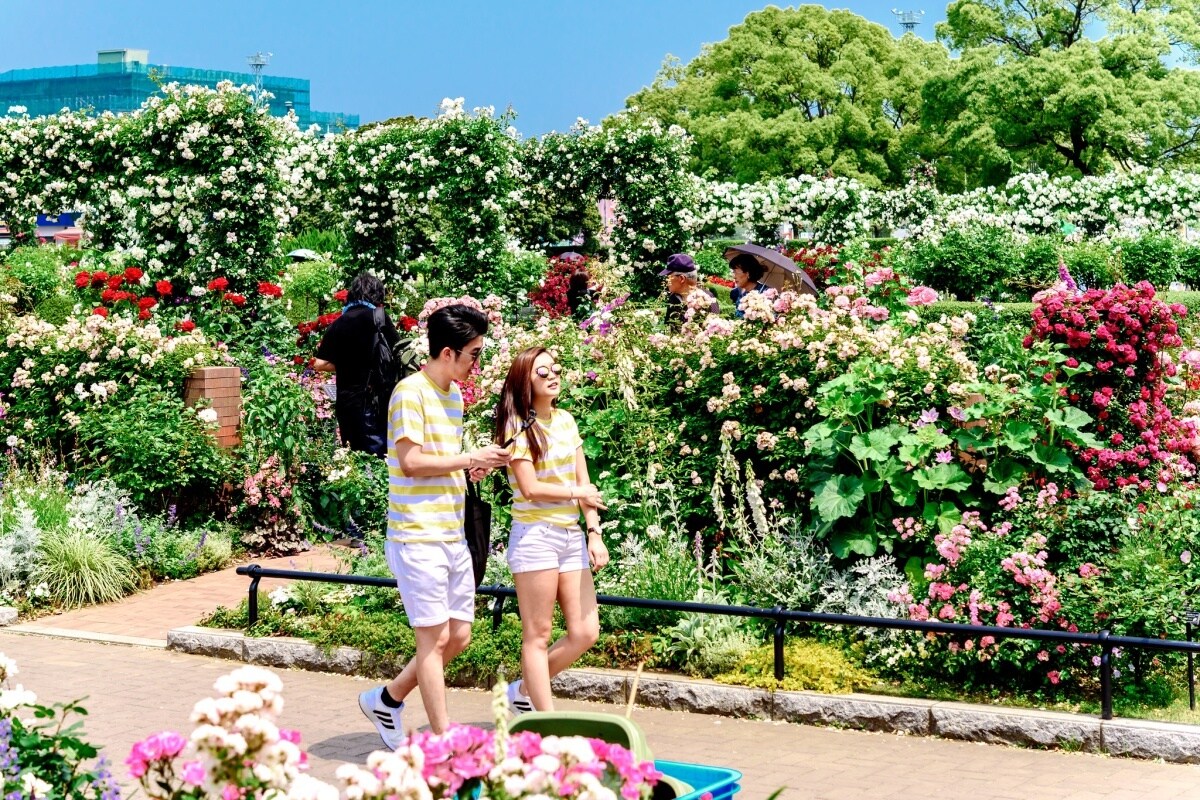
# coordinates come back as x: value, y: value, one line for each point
x: 390, y: 362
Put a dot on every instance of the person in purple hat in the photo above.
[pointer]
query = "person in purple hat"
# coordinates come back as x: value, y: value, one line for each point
x: 684, y: 291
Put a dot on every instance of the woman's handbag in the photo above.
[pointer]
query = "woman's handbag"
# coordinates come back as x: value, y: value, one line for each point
x: 477, y: 520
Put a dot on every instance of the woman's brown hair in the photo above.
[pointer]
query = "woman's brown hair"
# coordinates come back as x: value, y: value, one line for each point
x: 516, y: 405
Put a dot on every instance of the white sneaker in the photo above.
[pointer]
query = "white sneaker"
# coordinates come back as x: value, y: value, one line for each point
x: 518, y: 703
x: 386, y: 720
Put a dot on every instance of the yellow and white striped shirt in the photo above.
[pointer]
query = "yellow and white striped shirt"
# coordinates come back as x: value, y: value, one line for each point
x: 425, y: 509
x: 556, y: 467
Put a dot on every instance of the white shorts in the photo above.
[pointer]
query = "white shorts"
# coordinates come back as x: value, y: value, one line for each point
x: 534, y: 546
x: 435, y: 579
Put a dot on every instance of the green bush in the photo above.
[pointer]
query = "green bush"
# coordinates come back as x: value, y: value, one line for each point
x: 1036, y: 264
x: 38, y: 271
x: 1189, y: 265
x: 965, y: 263
x: 1156, y: 258
x: 154, y: 447
x: 309, y: 283
x: 55, y: 309
x: 80, y: 569
x: 809, y: 665
x: 1093, y: 265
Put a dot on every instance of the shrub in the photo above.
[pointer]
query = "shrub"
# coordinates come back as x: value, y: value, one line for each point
x: 808, y: 665
x: 154, y: 447
x: 1093, y: 265
x: 307, y: 285
x: 1156, y: 258
x: 81, y: 569
x: 55, y: 309
x: 38, y: 271
x: 965, y: 263
x: 1035, y: 265
x: 706, y: 644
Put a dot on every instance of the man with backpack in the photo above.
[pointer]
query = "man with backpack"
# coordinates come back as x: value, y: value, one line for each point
x: 365, y: 352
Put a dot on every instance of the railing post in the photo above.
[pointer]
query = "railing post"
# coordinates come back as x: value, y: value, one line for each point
x: 497, y: 612
x: 1105, y: 676
x: 1189, y: 616
x: 780, y: 625
x: 252, y: 601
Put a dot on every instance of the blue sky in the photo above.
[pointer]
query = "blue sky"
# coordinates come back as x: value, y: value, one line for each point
x: 550, y: 61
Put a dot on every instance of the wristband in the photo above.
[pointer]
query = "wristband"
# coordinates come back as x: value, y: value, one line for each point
x: 593, y: 532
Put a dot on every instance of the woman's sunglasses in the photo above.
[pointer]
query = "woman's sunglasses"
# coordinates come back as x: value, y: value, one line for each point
x: 544, y: 372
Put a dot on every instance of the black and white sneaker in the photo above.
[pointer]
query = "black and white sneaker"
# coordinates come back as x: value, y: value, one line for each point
x: 385, y: 719
x: 518, y: 702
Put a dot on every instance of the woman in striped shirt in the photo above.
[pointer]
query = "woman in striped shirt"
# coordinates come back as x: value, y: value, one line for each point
x: 550, y: 555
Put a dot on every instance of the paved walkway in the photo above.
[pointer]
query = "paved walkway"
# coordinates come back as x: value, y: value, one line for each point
x: 137, y: 688
x: 133, y: 691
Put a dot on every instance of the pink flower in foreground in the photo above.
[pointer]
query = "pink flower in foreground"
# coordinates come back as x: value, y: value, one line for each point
x: 921, y: 296
x: 193, y: 773
x: 162, y: 745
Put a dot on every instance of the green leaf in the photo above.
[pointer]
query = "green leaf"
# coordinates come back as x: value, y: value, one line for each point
x: 873, y: 446
x: 1068, y: 417
x: 914, y: 568
x: 904, y: 488
x: 1003, y: 473
x: 844, y: 543
x: 943, y: 477
x: 1052, y: 457
x: 1019, y: 436
x: 838, y: 496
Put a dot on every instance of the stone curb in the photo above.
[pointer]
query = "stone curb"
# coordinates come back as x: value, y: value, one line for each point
x: 1168, y: 741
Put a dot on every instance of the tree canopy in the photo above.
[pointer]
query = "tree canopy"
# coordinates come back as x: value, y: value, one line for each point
x: 798, y: 90
x: 1076, y: 87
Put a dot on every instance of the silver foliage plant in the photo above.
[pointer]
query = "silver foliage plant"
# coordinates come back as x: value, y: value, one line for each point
x: 776, y: 561
x: 19, y: 548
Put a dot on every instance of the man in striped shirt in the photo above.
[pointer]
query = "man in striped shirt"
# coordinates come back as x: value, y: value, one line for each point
x: 426, y: 549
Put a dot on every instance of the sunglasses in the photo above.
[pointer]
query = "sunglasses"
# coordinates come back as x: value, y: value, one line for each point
x: 474, y: 356
x: 544, y: 372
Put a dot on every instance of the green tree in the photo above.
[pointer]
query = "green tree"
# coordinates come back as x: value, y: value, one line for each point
x: 800, y: 90
x: 1031, y: 90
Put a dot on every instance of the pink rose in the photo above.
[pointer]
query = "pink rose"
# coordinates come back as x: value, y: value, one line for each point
x: 921, y: 296
x: 193, y: 773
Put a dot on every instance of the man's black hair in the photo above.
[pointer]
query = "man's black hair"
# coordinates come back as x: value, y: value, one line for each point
x: 749, y: 265
x: 454, y: 327
x: 366, y: 286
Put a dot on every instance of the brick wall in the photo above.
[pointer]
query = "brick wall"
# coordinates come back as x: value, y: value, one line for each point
x: 222, y: 387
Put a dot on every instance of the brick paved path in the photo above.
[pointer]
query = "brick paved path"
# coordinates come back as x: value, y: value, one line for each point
x: 133, y: 691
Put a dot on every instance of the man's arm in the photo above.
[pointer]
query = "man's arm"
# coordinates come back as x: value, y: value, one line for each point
x: 321, y: 365
x: 416, y: 463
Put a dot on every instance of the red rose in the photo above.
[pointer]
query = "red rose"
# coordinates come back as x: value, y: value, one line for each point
x: 408, y: 323
x: 115, y: 282
x: 341, y: 296
x: 144, y: 314
x: 298, y: 360
x: 162, y: 287
x: 82, y: 279
x: 187, y: 326
x: 146, y: 303
x: 98, y: 278
x: 133, y: 274
x: 108, y: 296
x: 100, y: 311
x: 267, y: 289
x: 218, y: 285
x: 236, y: 299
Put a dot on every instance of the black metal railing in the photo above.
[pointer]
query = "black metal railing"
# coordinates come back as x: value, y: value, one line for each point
x: 781, y: 617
